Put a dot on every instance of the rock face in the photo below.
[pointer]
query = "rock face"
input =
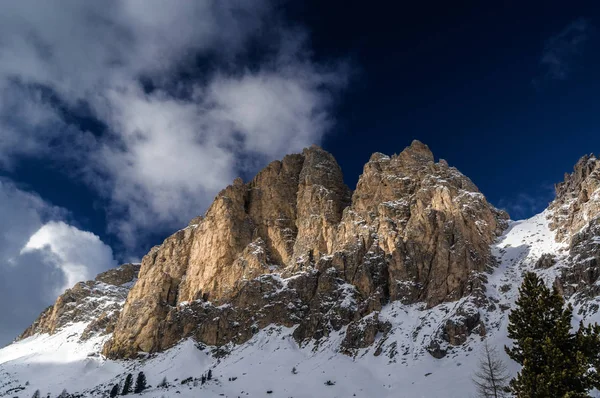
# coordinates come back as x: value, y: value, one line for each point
x: 296, y: 247
x: 577, y: 198
x: 97, y: 302
x: 576, y: 220
x: 425, y: 221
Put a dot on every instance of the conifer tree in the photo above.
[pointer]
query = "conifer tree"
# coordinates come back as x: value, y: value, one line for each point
x: 36, y: 394
x: 209, y: 375
x: 554, y: 361
x: 127, y: 385
x: 140, y: 383
x: 588, y: 343
x: 491, y: 378
x: 163, y: 383
x: 115, y: 391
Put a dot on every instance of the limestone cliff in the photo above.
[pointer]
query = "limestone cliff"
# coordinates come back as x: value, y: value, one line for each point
x: 296, y: 247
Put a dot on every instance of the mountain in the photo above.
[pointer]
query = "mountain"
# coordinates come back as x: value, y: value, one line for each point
x: 294, y: 284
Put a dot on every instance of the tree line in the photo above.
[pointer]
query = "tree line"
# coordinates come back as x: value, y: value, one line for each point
x: 128, y: 387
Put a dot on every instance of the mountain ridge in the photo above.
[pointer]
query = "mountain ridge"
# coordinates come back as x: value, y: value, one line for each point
x: 414, y: 268
x: 414, y: 230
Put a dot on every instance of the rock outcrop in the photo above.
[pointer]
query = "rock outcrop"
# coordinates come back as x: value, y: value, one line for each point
x: 96, y: 302
x: 296, y: 247
x: 577, y: 199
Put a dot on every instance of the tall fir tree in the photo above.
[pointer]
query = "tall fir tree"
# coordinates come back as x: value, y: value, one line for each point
x: 127, y: 384
x: 553, y: 363
x: 114, y: 391
x: 36, y: 394
x: 588, y: 343
x: 140, y: 383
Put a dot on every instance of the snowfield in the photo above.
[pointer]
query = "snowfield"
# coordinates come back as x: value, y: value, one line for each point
x: 272, y: 364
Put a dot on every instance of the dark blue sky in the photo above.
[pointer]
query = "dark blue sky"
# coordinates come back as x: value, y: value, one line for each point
x: 469, y: 80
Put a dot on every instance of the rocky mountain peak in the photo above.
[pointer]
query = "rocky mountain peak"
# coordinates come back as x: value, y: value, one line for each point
x: 294, y: 265
x: 296, y: 247
x: 417, y: 152
x: 413, y: 230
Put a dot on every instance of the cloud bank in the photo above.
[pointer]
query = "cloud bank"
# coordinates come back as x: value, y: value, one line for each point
x: 39, y: 257
x: 158, y: 105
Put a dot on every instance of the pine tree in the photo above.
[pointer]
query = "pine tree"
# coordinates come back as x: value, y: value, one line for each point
x: 140, y: 383
x: 588, y: 341
x: 163, y: 383
x: 64, y: 394
x: 127, y: 385
x: 203, y: 380
x: 36, y: 394
x: 491, y: 378
x: 554, y: 363
x: 209, y: 376
x: 115, y: 391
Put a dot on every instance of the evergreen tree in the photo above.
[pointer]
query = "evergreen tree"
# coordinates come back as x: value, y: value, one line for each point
x: 588, y: 341
x: 127, y: 385
x: 209, y: 376
x: 64, y: 394
x: 36, y: 394
x: 115, y: 391
x: 140, y: 383
x: 491, y: 378
x: 554, y: 361
x: 203, y: 380
x: 163, y: 383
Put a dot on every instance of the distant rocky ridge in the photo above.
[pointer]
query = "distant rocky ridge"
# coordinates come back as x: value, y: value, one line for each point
x: 97, y: 302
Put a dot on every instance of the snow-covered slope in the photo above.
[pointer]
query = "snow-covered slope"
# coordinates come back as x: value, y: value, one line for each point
x: 272, y: 364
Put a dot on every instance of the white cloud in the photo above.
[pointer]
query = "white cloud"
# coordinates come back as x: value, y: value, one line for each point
x: 167, y: 151
x: 57, y: 256
x: 80, y: 255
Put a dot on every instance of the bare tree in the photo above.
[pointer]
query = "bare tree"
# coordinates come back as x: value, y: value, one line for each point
x: 491, y: 378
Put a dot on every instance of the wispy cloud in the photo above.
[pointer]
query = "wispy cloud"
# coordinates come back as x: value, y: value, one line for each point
x: 172, y: 139
x: 526, y: 204
x: 562, y: 49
